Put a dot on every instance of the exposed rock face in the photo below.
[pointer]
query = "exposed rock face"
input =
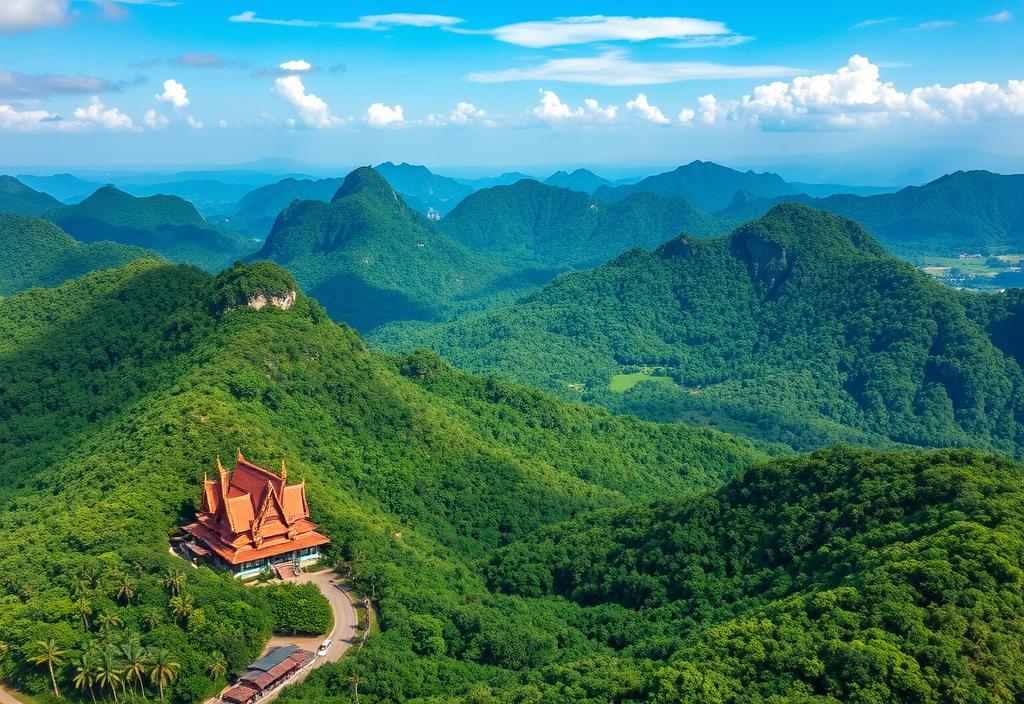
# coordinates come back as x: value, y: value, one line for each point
x: 261, y: 299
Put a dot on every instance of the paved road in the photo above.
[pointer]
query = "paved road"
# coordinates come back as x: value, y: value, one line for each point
x: 6, y: 697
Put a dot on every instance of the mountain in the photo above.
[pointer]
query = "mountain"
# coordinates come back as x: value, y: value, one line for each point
x: 810, y: 579
x: 64, y: 187
x: 579, y: 180
x: 966, y: 211
x: 17, y: 198
x: 797, y: 328
x: 420, y: 185
x: 167, y: 225
x: 533, y: 224
x: 255, y: 212
x: 208, y: 195
x: 707, y: 185
x: 371, y: 259
x: 821, y: 190
x: 38, y: 253
x: 505, y: 179
x: 119, y: 390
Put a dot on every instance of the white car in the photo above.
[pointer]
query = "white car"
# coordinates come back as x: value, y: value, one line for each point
x: 324, y: 646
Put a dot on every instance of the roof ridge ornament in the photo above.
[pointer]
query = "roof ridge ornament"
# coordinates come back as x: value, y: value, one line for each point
x: 239, y: 456
x: 284, y: 472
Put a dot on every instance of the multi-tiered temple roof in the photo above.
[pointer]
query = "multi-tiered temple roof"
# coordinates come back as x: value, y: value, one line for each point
x: 253, y: 514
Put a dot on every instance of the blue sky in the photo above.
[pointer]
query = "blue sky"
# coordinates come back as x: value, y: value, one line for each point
x: 488, y: 86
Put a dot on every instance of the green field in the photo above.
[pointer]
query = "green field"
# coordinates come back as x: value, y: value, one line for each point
x: 621, y: 383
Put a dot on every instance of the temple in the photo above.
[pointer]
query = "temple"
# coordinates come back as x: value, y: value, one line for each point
x: 252, y: 520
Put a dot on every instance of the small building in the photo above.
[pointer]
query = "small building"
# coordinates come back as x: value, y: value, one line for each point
x: 251, y: 520
x: 268, y: 672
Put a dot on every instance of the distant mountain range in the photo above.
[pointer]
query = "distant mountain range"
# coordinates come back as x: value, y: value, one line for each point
x: 168, y: 225
x: 797, y: 328
x: 579, y: 180
x: 38, y: 253
x: 17, y: 198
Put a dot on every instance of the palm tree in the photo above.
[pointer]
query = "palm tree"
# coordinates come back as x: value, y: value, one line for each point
x: 152, y: 618
x: 175, y: 580
x: 108, y: 619
x: 354, y: 680
x: 182, y: 606
x: 126, y: 589
x: 135, y: 662
x: 47, y: 653
x: 84, y: 610
x: 85, y: 672
x: 218, y: 666
x: 108, y: 671
x: 164, y: 669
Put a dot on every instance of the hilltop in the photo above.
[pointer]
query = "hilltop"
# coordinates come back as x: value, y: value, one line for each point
x: 370, y: 259
x: 533, y: 224
x: 19, y: 199
x: 256, y: 211
x: 579, y: 180
x: 38, y: 253
x: 798, y: 328
x: 165, y: 224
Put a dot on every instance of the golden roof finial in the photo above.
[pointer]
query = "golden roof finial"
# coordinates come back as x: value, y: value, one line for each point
x: 220, y: 467
x: 284, y: 471
x: 240, y: 457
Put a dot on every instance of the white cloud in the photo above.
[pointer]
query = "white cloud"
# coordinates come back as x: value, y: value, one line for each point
x: 21, y: 15
x: 999, y: 17
x: 599, y: 28
x: 686, y: 116
x: 854, y: 96
x: 31, y: 120
x: 552, y: 109
x: 615, y: 68
x: 154, y: 120
x: 193, y: 122
x: 174, y: 93
x: 465, y: 114
x: 646, y: 111
x: 15, y: 84
x: 313, y: 110
x: 99, y: 114
x: 296, y: 65
x: 935, y: 24
x: 873, y: 22
x: 223, y: 124
x: 380, y: 115
x: 375, y: 22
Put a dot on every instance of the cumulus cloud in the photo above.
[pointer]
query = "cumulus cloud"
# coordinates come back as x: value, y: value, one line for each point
x: 223, y: 124
x: 99, y: 114
x: 174, y: 93
x: 854, y: 96
x: 645, y: 111
x: 313, y: 110
x: 600, y: 28
x: 686, y: 116
x: 297, y: 65
x: 154, y: 120
x: 375, y: 22
x: 23, y: 15
x: 465, y: 114
x: 193, y: 122
x: 12, y: 118
x: 552, y: 109
x: 380, y: 115
x: 614, y: 67
x: 999, y: 17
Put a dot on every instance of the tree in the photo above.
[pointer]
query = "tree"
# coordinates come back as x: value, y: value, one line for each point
x: 151, y: 619
x: 175, y: 580
x: 182, y: 606
x: 218, y: 666
x: 84, y: 609
x: 164, y: 668
x: 85, y: 672
x: 354, y: 680
x: 48, y: 653
x: 108, y: 671
x: 108, y: 619
x: 135, y: 662
x: 126, y: 589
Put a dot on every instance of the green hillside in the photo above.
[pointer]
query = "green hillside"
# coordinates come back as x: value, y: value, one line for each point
x: 966, y: 211
x: 165, y: 224
x: 420, y: 185
x: 579, y: 180
x: 707, y: 185
x: 256, y: 211
x: 530, y: 223
x: 371, y: 259
x: 38, y: 253
x: 19, y: 199
x: 846, y: 576
x: 118, y: 391
x: 796, y: 328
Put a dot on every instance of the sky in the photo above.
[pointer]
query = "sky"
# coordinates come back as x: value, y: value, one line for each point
x: 868, y: 90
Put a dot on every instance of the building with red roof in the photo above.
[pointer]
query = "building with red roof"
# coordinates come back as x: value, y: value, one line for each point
x: 251, y: 519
